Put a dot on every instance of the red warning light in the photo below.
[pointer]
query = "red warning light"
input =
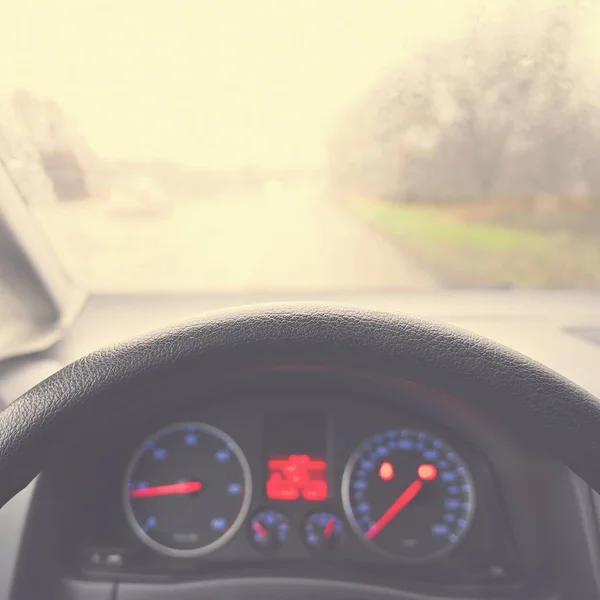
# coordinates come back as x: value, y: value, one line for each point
x: 297, y: 476
x: 427, y: 472
x: 386, y: 471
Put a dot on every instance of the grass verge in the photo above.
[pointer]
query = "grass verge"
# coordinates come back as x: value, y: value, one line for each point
x: 467, y: 254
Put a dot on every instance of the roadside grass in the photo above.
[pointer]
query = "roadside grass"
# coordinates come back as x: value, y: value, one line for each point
x: 467, y: 254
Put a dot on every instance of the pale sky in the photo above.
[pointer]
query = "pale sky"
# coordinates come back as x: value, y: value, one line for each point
x: 215, y: 82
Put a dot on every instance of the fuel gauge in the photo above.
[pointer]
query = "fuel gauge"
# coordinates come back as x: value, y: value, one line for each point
x: 269, y: 530
x: 322, y: 531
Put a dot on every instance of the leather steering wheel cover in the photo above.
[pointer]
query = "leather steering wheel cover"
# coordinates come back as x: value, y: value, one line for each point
x: 536, y: 401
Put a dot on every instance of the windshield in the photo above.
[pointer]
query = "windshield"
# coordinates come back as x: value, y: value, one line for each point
x: 275, y: 146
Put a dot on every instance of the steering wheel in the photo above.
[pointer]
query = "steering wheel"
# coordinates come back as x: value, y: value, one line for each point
x: 534, y: 402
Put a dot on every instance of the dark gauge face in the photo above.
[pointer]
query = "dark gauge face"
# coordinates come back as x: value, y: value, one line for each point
x: 187, y: 489
x: 408, y: 494
x: 322, y: 531
x: 269, y: 530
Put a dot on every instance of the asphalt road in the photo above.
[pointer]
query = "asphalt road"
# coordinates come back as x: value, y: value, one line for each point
x: 292, y: 240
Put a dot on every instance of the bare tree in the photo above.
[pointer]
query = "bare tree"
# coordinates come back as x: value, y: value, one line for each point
x: 496, y: 113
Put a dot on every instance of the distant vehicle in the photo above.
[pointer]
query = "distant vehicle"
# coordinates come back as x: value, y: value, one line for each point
x: 66, y: 173
x: 139, y: 197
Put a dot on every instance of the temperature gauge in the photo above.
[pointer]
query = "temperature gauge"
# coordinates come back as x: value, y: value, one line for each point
x: 269, y: 530
x: 322, y: 531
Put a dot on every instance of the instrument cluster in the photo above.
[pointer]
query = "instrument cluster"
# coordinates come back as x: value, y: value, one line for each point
x: 406, y: 492
x: 324, y: 482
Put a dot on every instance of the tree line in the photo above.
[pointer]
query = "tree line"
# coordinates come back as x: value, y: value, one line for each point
x: 509, y: 110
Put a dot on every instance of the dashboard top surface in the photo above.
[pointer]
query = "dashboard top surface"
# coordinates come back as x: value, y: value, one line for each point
x: 536, y: 324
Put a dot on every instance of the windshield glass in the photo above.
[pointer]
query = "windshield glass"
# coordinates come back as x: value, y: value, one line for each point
x: 323, y: 145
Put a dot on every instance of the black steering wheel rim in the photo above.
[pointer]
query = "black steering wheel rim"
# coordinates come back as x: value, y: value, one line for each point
x: 534, y: 401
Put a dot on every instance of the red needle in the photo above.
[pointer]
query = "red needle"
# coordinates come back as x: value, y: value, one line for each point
x: 183, y: 487
x: 329, y: 527
x: 403, y: 499
x: 262, y: 532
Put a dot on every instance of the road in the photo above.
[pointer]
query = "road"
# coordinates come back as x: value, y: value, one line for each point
x: 293, y: 240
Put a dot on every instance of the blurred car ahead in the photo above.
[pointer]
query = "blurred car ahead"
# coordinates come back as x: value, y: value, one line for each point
x: 140, y: 197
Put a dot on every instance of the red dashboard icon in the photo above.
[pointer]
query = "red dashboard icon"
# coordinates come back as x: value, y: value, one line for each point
x: 297, y: 476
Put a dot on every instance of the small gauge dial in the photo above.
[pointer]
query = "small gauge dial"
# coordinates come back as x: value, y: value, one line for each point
x: 322, y: 531
x: 269, y: 530
x: 187, y: 489
x: 408, y: 494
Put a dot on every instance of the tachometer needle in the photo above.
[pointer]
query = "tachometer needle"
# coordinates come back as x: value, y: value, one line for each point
x: 401, y: 501
x: 183, y: 487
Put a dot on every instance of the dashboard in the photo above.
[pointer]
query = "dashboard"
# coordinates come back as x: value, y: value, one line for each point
x: 322, y: 483
x: 302, y: 476
x: 317, y: 483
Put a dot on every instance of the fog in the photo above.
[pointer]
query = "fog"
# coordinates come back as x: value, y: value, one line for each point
x: 274, y: 145
x: 220, y: 83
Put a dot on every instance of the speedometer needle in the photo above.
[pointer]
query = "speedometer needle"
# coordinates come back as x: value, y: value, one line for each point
x: 403, y: 499
x: 183, y: 487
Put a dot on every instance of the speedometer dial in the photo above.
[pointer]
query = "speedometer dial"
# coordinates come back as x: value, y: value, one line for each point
x: 187, y: 489
x: 408, y: 494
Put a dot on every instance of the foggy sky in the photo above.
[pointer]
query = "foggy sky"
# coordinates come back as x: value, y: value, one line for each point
x: 217, y: 83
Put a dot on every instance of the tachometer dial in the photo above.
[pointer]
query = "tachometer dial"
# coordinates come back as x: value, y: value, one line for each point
x: 408, y: 494
x: 187, y: 489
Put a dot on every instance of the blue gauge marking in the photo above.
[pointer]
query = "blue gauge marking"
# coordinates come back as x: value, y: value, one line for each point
x: 415, y: 501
